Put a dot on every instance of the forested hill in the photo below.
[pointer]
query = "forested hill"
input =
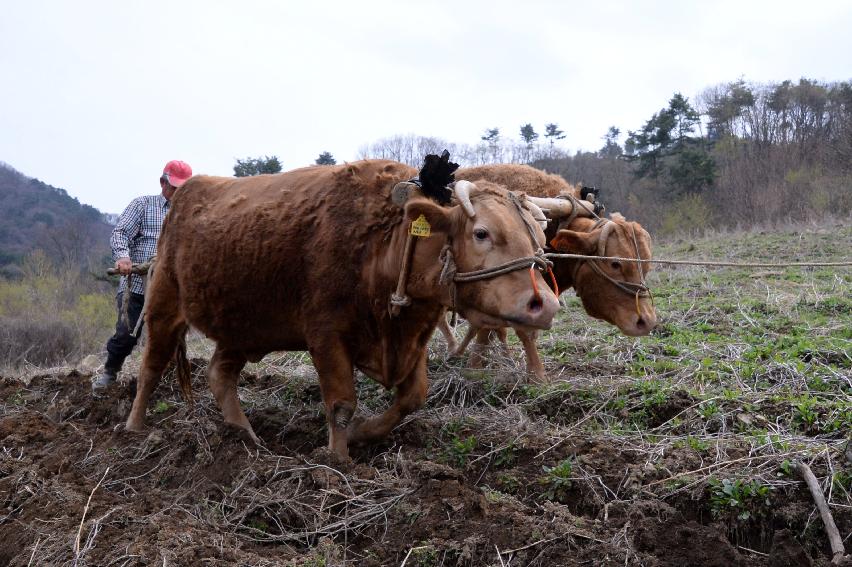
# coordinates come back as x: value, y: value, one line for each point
x: 35, y: 215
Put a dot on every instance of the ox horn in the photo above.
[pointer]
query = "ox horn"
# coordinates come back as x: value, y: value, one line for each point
x: 607, y: 228
x: 557, y: 208
x: 536, y: 212
x: 462, y: 191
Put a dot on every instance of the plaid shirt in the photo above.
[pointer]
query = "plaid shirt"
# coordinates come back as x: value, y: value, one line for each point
x: 136, y: 232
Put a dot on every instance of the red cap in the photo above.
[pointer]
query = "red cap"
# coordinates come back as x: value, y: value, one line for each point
x: 177, y: 172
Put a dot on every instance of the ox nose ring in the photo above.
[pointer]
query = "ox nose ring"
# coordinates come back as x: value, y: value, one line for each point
x: 536, y: 293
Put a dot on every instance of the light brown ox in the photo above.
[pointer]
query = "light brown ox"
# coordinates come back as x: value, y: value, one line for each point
x: 307, y: 260
x: 601, y: 298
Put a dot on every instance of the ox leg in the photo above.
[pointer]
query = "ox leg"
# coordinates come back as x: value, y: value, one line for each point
x: 471, y: 333
x: 503, y: 336
x: 534, y: 364
x: 165, y: 330
x: 480, y: 346
x: 410, y: 396
x: 447, y: 331
x: 337, y: 384
x: 223, y: 374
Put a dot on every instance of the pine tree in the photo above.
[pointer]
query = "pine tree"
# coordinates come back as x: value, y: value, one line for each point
x: 553, y: 133
x: 257, y: 166
x: 529, y: 135
x: 666, y: 148
x: 326, y: 158
x: 492, y: 137
x: 611, y: 149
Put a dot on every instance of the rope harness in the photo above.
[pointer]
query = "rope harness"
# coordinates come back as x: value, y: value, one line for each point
x: 398, y: 298
x: 450, y: 276
x: 637, y: 290
x: 575, y: 210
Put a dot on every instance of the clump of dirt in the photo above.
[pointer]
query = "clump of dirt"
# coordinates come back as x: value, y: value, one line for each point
x: 671, y: 540
x: 787, y: 552
x: 676, y: 402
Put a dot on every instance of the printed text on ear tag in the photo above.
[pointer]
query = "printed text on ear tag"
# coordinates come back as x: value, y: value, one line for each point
x: 420, y: 227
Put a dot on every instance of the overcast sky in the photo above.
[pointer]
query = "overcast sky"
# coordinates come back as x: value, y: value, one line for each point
x: 97, y: 96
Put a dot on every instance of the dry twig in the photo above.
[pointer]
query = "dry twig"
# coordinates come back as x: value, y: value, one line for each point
x: 837, y: 550
x: 85, y: 511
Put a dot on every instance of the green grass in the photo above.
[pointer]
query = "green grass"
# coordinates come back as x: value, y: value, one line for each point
x: 557, y: 480
x: 459, y: 449
x: 732, y: 336
x: 738, y: 500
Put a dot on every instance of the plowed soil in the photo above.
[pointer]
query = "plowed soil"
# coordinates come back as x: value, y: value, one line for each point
x: 77, y: 490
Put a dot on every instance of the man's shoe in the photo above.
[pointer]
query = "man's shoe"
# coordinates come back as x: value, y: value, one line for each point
x: 102, y: 382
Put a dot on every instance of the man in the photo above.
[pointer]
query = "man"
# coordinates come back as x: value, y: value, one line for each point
x: 134, y: 241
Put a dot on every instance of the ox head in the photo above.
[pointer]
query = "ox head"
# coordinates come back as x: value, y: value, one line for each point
x: 608, y: 288
x: 487, y: 227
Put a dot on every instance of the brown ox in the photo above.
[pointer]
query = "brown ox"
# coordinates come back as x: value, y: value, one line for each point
x: 601, y: 297
x: 307, y: 260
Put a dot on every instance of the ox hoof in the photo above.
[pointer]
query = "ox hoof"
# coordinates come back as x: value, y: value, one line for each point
x: 356, y: 430
x: 454, y: 353
x: 367, y: 430
x: 239, y: 432
x: 538, y: 378
x: 328, y: 456
x: 133, y: 429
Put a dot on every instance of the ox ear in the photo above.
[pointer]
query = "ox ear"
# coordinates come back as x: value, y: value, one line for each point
x: 575, y: 242
x: 640, y: 230
x: 439, y: 218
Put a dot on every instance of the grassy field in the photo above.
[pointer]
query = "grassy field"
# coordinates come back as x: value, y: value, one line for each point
x: 673, y: 449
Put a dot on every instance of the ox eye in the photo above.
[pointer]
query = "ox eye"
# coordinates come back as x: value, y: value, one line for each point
x: 616, y: 265
x: 480, y: 234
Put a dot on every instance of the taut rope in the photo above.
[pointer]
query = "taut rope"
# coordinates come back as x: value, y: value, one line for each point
x: 549, y: 255
x: 539, y: 261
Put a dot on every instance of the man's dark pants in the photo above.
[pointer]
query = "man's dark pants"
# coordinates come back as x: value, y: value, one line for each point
x: 120, y: 345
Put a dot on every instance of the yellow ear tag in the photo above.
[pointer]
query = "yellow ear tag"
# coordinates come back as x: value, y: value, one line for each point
x: 420, y: 227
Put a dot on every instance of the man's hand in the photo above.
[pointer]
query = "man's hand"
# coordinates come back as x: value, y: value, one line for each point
x: 123, y: 266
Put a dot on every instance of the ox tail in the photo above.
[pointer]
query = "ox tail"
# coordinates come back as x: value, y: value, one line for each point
x: 182, y: 368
